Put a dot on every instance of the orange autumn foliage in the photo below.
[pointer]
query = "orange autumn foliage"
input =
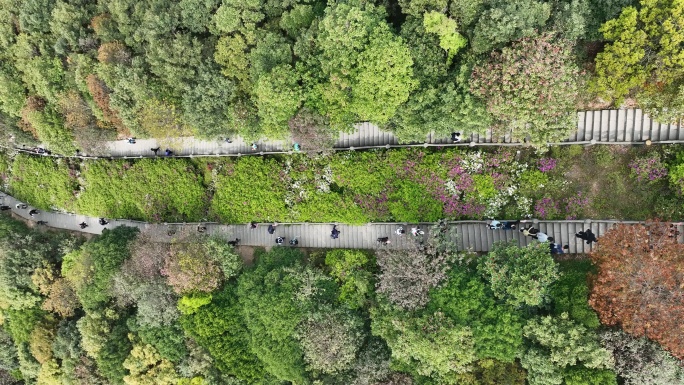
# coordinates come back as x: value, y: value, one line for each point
x: 100, y: 93
x: 640, y: 283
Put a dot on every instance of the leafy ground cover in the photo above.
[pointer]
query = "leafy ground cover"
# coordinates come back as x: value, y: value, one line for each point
x: 357, y: 187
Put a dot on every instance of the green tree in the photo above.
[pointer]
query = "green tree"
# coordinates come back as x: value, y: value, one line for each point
x: 105, y: 338
x: 50, y: 129
x: 275, y: 298
x: 367, y: 69
x: 570, y: 293
x: 169, y: 341
x: 557, y: 343
x: 69, y: 26
x: 220, y: 328
x: 146, y: 366
x: 8, y: 353
x: 330, y: 339
x: 239, y: 16
x: 35, y: 15
x: 205, y: 103
x: 644, y: 55
x: 12, y: 92
x: 195, y: 15
x: 466, y: 12
x: 351, y: 269
x: 573, y: 19
x: 442, y: 100
x: 277, y: 96
x: 91, y: 268
x: 231, y: 55
x: 431, y: 345
x: 584, y: 376
x: 520, y: 275
x: 619, y: 68
x: 496, y: 328
x: 505, y: 21
x: 297, y: 19
x: 449, y: 39
x: 188, y: 268
x: 21, y: 254
x: 531, y: 88
x: 417, y: 8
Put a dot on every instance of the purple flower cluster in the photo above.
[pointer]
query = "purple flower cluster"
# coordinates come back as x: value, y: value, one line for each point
x: 546, y: 164
x: 648, y: 169
x: 574, y: 206
x: 500, y: 157
x: 546, y: 208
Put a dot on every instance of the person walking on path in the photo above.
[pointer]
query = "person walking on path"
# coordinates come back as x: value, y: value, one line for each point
x: 495, y: 225
x: 335, y: 233
x: 529, y: 231
x: 272, y: 228
x: 154, y: 150
x: 235, y: 242
x: 21, y: 206
x: 168, y: 152
x: 33, y: 212
x: 252, y: 225
x: 557, y: 248
x: 131, y: 140
x: 510, y: 225
x: 416, y: 231
x: 279, y: 241
x: 384, y: 241
x: 400, y: 231
x: 587, y: 235
x: 294, y: 241
x: 673, y: 232
x: 254, y: 146
x: 103, y: 222
x: 201, y: 229
x: 83, y: 225
x: 5, y: 207
x: 455, y: 137
x: 541, y: 237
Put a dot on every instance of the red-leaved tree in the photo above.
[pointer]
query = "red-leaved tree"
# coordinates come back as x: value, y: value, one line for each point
x: 640, y: 283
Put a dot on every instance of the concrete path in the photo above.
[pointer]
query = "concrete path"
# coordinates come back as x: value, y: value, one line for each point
x: 624, y: 126
x: 470, y: 235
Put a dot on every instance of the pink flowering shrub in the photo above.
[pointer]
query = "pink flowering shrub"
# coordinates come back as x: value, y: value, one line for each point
x: 648, y: 169
x: 574, y: 206
x: 547, y: 208
x: 546, y: 164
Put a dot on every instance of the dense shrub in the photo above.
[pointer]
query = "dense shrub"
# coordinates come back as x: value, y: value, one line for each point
x: 409, y: 185
x: 43, y: 182
x: 149, y: 189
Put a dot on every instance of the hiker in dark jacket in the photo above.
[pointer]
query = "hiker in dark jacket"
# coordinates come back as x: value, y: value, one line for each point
x: 587, y: 235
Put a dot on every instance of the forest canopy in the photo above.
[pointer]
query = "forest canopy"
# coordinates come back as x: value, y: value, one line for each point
x: 126, y: 308
x: 75, y: 73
